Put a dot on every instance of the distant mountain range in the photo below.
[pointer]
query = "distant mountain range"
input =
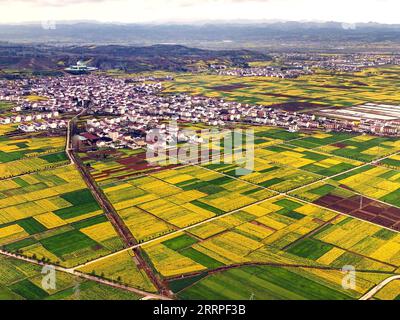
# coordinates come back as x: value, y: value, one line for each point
x: 47, y: 59
x: 102, y: 33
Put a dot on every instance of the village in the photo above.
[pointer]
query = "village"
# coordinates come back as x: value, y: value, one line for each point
x: 290, y: 72
x: 294, y: 65
x: 121, y: 112
x: 338, y: 62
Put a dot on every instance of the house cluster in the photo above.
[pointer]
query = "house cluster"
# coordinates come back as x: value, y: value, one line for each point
x: 118, y: 132
x: 383, y: 128
x: 21, y: 118
x: 294, y: 121
x: 150, y: 79
x: 124, y: 112
x: 339, y: 62
x: 148, y: 111
x: 70, y: 94
x: 295, y: 65
x: 43, y: 126
x: 290, y: 72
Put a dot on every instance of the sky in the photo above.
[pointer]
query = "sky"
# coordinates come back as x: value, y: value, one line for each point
x: 187, y: 11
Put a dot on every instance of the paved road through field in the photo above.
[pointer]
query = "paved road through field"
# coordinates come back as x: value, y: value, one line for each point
x: 380, y: 286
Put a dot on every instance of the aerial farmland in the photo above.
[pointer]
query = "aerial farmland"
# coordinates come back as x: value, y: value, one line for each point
x: 174, y: 173
x: 299, y: 216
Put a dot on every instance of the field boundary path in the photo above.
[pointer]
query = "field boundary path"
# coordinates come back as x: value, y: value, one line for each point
x: 70, y: 130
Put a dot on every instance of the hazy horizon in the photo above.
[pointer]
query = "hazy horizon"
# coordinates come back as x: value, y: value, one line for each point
x: 190, y: 11
x: 192, y: 23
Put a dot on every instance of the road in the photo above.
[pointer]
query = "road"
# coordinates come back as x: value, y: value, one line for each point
x: 380, y: 286
x: 114, y: 219
x: 109, y: 210
x: 68, y: 144
x: 119, y: 225
x: 111, y: 214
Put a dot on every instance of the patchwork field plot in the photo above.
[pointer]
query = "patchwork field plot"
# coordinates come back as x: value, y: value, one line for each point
x: 392, y: 162
x: 319, y: 139
x: 299, y: 240
x: 122, y: 268
x: 162, y: 202
x: 20, y: 155
x: 268, y: 174
x: 111, y: 166
x: 51, y: 215
x: 33, y: 164
x: 279, y: 232
x: 339, y: 198
x: 17, y: 148
x: 5, y: 107
x: 22, y: 281
x: 389, y: 292
x: 290, y: 239
x: 362, y: 240
x: 7, y: 129
x: 272, y: 283
x: 338, y: 90
x: 276, y: 134
x: 280, y: 166
x: 364, y: 148
x: 383, y: 184
x: 170, y: 263
x: 307, y: 160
